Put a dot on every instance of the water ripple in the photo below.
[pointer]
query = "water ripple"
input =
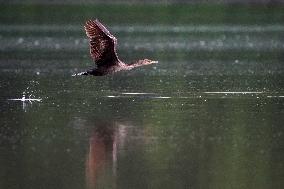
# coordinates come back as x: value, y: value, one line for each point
x: 147, y: 29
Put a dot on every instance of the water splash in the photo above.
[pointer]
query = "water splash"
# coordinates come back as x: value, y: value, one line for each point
x: 27, y: 96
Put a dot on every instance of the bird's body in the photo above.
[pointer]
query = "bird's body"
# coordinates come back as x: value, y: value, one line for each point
x: 103, y: 51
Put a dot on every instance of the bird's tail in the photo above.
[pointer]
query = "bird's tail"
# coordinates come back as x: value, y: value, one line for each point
x: 81, y: 73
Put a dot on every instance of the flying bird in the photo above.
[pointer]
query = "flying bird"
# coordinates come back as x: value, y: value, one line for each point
x: 103, y: 51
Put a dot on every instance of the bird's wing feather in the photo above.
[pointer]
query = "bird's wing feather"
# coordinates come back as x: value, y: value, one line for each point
x: 102, y: 43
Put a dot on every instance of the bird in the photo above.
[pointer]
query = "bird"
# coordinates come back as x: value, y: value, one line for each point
x: 103, y: 51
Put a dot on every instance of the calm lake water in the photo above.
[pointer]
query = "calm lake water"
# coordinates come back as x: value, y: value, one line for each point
x: 209, y: 115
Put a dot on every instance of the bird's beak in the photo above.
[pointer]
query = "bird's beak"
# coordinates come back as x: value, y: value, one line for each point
x: 154, y: 62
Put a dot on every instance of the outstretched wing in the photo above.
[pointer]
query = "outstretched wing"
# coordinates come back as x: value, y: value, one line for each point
x: 102, y: 43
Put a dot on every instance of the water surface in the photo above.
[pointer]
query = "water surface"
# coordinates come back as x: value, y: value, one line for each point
x: 209, y: 115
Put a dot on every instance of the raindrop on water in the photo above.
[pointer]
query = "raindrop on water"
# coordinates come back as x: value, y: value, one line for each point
x: 77, y: 42
x: 202, y: 43
x: 20, y: 40
x: 57, y: 46
x: 36, y: 43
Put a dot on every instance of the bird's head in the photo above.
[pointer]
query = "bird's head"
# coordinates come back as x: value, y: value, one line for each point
x: 147, y: 62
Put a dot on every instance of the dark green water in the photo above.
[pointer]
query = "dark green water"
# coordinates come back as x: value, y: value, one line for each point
x: 209, y: 115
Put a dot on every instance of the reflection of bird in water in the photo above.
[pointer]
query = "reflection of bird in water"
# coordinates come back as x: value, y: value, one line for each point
x: 102, y: 156
x: 103, y: 51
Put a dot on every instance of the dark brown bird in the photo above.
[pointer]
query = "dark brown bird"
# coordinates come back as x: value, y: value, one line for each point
x: 103, y: 51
